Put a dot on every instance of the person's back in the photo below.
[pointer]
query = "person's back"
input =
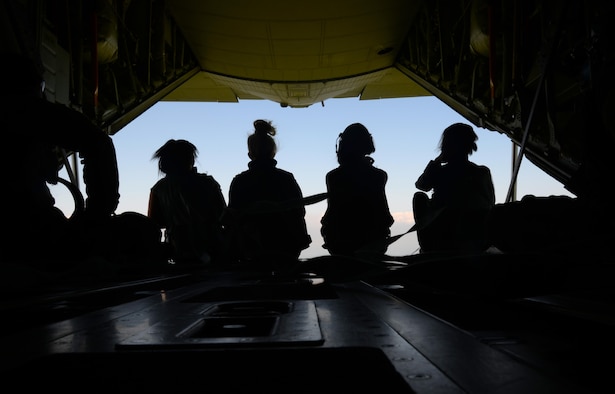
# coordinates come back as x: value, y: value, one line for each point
x: 188, y: 204
x: 463, y: 194
x: 357, y: 215
x: 463, y: 185
x: 34, y: 133
x: 265, y: 229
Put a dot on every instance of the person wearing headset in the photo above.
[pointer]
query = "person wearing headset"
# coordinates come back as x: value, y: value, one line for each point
x: 357, y: 218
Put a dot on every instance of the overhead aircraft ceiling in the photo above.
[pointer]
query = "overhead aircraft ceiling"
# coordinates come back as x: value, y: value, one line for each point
x: 539, y: 72
x: 295, y: 53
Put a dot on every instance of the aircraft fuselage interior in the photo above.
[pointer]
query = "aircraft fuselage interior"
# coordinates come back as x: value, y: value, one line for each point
x: 535, y: 316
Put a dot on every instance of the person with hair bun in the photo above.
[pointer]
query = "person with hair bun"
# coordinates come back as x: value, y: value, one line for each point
x: 357, y: 218
x: 266, y: 214
x: 455, y: 217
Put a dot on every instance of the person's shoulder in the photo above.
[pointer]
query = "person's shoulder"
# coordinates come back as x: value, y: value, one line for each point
x: 376, y: 171
x: 334, y: 172
x: 283, y: 172
x: 159, y: 183
x: 379, y: 170
x: 242, y: 174
x: 479, y: 167
x: 241, y: 178
x: 282, y: 177
x: 203, y: 175
x: 207, y: 178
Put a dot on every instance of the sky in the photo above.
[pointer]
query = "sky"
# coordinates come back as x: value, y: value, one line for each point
x: 406, y: 133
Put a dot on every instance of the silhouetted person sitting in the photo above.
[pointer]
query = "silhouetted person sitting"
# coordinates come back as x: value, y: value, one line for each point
x: 34, y: 132
x: 455, y: 217
x: 357, y: 216
x: 267, y: 230
x: 188, y: 204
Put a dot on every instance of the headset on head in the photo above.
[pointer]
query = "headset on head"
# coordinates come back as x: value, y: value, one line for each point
x: 340, y: 139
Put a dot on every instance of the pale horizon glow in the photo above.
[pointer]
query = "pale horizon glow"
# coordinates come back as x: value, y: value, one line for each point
x: 406, y: 133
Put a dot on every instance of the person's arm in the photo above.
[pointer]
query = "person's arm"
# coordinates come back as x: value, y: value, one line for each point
x: 153, y: 209
x: 100, y: 174
x: 327, y: 220
x: 218, y: 200
x: 427, y: 179
x: 296, y: 194
x: 388, y: 218
x: 482, y: 194
x: 302, y: 237
x: 490, y: 187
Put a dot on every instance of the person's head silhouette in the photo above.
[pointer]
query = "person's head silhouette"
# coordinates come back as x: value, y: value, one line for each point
x: 261, y: 144
x: 176, y: 156
x: 458, y: 141
x: 354, y: 143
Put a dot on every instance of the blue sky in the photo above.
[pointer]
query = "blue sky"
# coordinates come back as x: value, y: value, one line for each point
x: 406, y: 133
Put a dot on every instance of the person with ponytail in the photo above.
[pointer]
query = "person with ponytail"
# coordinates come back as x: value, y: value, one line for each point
x: 266, y: 217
